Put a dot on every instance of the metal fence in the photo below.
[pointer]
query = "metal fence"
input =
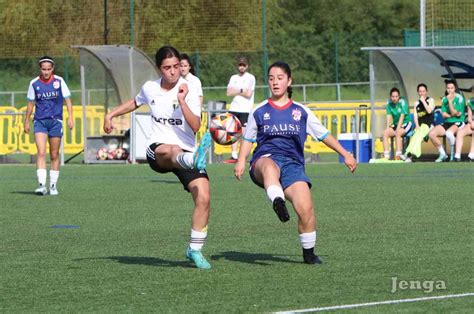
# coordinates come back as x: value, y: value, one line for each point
x: 357, y: 91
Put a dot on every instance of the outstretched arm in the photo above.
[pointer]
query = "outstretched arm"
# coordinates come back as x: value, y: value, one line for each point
x: 349, y: 160
x: 124, y: 108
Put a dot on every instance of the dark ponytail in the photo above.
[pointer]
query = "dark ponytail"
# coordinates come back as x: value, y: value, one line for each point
x: 166, y: 52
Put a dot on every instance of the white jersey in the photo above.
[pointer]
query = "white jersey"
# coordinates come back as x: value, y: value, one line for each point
x: 245, y: 81
x: 168, y: 125
x: 195, y: 82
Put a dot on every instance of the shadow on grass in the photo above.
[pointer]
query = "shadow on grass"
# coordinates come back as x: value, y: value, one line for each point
x: 141, y: 260
x: 166, y: 181
x: 253, y: 258
x: 25, y: 192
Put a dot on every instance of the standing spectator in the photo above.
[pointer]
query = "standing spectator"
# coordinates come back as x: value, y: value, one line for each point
x: 46, y: 93
x: 453, y: 111
x: 242, y: 87
x: 187, y: 72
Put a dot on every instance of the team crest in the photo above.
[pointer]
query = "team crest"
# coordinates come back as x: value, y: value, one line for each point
x: 56, y: 84
x: 296, y: 113
x: 175, y: 104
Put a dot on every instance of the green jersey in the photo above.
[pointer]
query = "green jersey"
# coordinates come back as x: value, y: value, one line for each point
x: 396, y: 110
x: 471, y: 104
x: 459, y: 105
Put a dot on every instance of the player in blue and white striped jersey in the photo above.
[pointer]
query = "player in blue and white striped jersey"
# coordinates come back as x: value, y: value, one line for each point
x: 280, y: 126
x: 46, y: 93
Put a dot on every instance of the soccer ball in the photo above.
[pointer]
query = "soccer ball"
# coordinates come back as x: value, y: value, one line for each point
x: 102, y: 154
x: 111, y: 154
x: 225, y: 129
x: 121, y: 153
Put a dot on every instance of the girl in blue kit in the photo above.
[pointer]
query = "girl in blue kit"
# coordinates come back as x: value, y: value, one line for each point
x: 280, y: 126
x: 46, y: 93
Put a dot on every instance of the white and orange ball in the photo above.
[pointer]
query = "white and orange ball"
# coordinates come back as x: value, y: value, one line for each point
x: 121, y: 153
x: 225, y: 129
x: 102, y: 153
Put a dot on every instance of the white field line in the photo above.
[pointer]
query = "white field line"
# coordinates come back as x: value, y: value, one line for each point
x: 351, y: 306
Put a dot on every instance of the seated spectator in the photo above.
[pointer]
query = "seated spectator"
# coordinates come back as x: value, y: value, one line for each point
x: 466, y: 130
x: 453, y: 111
x: 423, y: 118
x: 398, y: 123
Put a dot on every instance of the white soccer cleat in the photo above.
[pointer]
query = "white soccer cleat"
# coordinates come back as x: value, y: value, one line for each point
x: 41, y: 190
x: 53, y: 190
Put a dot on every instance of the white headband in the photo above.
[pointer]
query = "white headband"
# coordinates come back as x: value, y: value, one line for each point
x: 46, y: 60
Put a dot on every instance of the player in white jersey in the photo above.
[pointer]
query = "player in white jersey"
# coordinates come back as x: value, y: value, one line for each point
x: 176, y: 117
x: 280, y: 126
x: 46, y: 94
x: 187, y: 72
x: 242, y: 87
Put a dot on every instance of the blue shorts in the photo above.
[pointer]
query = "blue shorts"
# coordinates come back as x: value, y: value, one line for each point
x: 291, y: 171
x: 52, y: 127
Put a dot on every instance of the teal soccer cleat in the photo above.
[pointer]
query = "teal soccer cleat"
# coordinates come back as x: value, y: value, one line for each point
x: 199, y: 156
x: 441, y: 158
x: 196, y: 257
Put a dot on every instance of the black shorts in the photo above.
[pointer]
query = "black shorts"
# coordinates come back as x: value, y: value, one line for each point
x: 242, y: 116
x: 407, y: 126
x: 185, y: 176
x: 447, y: 125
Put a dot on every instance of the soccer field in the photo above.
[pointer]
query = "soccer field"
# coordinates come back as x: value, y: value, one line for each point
x: 115, y: 237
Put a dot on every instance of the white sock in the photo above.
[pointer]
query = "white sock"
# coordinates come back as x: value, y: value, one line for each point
x: 451, y: 139
x: 398, y: 153
x: 308, y: 240
x: 235, y: 155
x: 457, y: 155
x: 53, y: 177
x: 41, y: 174
x: 386, y: 154
x: 197, y: 239
x: 441, y: 150
x: 185, y: 160
x: 274, y: 191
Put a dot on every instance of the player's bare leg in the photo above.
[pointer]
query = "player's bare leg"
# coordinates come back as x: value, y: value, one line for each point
x: 200, y: 192
x: 299, y: 195
x: 399, y: 142
x: 466, y: 130
x: 434, y: 134
x: 386, y: 135
x: 40, y: 140
x: 267, y: 172
x: 54, y: 145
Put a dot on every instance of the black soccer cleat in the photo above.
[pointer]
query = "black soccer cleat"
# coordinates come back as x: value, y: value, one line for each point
x: 279, y: 207
x: 310, y: 258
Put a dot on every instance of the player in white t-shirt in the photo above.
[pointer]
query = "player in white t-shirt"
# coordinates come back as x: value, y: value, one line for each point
x: 187, y: 72
x: 175, y: 118
x: 242, y: 87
